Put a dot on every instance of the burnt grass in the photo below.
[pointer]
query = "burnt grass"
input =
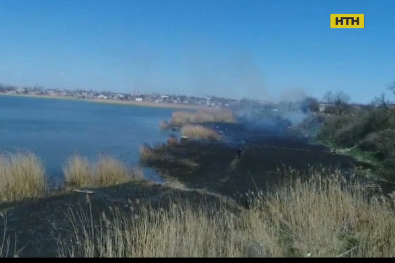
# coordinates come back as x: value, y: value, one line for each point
x: 213, y: 166
x: 33, y: 227
x: 208, y: 169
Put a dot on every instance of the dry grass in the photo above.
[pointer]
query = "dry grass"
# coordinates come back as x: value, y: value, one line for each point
x: 164, y: 125
x: 106, y: 171
x: 199, y: 132
x: 321, y: 217
x: 4, y: 239
x: 172, y: 140
x: 214, y: 116
x: 148, y: 153
x: 22, y: 175
x: 181, y: 118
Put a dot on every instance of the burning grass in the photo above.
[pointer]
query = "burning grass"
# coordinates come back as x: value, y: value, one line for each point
x: 199, y: 132
x: 324, y: 216
x: 79, y: 172
x: 22, y: 175
x: 181, y: 118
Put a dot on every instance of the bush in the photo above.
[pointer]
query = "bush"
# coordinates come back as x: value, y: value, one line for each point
x: 350, y: 130
x: 331, y: 126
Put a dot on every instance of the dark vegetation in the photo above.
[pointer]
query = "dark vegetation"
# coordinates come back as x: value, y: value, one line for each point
x: 363, y: 131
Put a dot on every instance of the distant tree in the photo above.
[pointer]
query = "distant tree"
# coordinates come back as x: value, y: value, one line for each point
x: 384, y: 108
x: 338, y: 102
x: 310, y: 104
x: 383, y: 101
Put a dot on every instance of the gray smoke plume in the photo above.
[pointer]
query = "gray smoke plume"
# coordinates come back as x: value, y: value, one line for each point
x: 275, y: 118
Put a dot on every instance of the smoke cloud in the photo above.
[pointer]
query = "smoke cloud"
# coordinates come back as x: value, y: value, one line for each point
x: 277, y: 118
x: 236, y: 75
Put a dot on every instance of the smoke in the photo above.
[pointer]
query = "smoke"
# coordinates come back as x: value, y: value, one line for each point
x: 223, y: 74
x: 293, y: 95
x: 247, y: 78
x: 232, y: 74
x: 278, y: 117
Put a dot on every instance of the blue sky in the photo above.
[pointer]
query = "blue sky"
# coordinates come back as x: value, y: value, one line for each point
x: 261, y: 49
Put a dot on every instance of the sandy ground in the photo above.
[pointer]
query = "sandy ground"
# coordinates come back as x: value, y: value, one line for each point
x: 120, y: 102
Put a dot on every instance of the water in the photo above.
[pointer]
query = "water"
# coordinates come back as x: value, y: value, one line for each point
x: 55, y: 129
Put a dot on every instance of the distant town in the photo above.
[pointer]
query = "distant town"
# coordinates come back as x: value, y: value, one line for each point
x: 209, y: 101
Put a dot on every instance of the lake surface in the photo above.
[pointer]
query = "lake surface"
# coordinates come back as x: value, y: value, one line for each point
x: 55, y: 129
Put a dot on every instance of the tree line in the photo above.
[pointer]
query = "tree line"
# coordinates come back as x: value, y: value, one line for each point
x: 365, y: 129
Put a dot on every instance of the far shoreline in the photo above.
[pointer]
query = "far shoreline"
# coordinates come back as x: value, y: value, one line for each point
x: 109, y: 101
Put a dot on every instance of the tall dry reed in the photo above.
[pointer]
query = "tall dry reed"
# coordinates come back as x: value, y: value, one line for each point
x: 181, y: 118
x: 199, y: 132
x: 22, y: 175
x: 106, y: 171
x: 324, y: 216
x: 147, y: 153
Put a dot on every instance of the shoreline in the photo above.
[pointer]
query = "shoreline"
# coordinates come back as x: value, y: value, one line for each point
x: 191, y: 163
x: 203, y: 177
x: 118, y: 102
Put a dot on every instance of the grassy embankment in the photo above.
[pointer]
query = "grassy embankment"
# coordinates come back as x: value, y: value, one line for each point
x: 365, y: 133
x: 321, y: 216
x: 324, y: 215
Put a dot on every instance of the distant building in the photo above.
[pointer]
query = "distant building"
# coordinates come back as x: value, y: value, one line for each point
x: 323, y: 106
x: 139, y: 99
